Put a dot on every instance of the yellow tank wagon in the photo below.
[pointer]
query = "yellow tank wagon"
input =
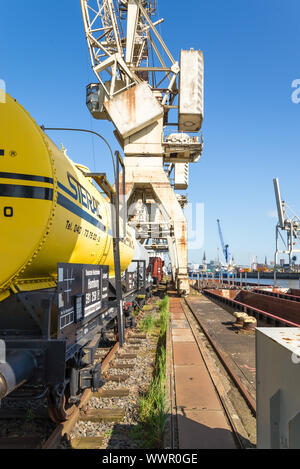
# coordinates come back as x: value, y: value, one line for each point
x: 57, y: 289
x: 49, y: 211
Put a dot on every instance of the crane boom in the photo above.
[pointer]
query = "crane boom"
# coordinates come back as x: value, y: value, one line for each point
x: 280, y: 207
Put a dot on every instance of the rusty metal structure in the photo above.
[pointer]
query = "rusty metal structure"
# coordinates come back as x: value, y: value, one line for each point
x: 156, y: 106
x: 278, y: 312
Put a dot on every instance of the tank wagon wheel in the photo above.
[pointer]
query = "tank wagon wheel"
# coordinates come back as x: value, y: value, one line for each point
x: 59, y: 407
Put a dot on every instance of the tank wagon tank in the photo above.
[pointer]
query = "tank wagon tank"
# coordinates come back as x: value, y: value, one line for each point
x: 57, y: 266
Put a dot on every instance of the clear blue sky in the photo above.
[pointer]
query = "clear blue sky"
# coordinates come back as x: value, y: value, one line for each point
x: 251, y: 128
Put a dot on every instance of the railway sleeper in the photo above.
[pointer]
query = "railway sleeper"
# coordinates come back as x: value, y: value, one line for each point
x: 127, y: 356
x: 112, y: 393
x: 103, y: 415
x: 89, y: 442
x: 26, y: 442
x: 117, y: 378
x: 123, y: 366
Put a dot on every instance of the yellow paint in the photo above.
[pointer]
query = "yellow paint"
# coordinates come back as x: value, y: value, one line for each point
x: 43, y: 232
x: 4, y: 294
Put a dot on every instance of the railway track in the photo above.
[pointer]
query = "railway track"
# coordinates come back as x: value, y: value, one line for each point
x: 98, y: 415
x: 127, y: 373
x: 63, y: 430
x: 204, y: 416
x: 106, y: 356
x: 105, y: 419
x: 31, y: 428
x: 225, y: 362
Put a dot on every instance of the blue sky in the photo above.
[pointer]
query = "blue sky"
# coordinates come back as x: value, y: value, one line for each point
x: 251, y: 126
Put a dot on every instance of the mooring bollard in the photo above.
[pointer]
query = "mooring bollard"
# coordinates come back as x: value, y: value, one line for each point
x: 240, y: 317
x: 250, y: 323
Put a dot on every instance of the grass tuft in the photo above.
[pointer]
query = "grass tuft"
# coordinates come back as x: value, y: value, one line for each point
x: 164, y: 313
x: 152, y: 405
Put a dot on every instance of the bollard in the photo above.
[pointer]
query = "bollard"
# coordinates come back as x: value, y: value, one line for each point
x: 240, y: 317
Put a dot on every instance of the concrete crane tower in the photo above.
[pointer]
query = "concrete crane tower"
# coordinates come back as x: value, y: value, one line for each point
x: 156, y: 106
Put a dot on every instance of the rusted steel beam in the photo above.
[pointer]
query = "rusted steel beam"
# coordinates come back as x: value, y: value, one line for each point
x: 284, y: 296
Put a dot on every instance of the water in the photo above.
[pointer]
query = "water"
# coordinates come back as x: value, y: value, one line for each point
x: 284, y: 283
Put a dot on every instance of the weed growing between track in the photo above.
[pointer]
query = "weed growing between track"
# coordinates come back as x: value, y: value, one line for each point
x: 152, y: 405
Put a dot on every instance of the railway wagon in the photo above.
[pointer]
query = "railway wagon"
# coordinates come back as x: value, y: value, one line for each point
x: 155, y: 269
x: 57, y: 266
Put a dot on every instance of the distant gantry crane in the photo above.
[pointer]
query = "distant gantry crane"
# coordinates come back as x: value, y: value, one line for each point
x: 225, y: 247
x: 155, y: 104
x: 289, y: 222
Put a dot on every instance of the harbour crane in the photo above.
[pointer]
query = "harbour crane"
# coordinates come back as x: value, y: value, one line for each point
x: 155, y: 103
x: 225, y: 247
x: 289, y: 222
